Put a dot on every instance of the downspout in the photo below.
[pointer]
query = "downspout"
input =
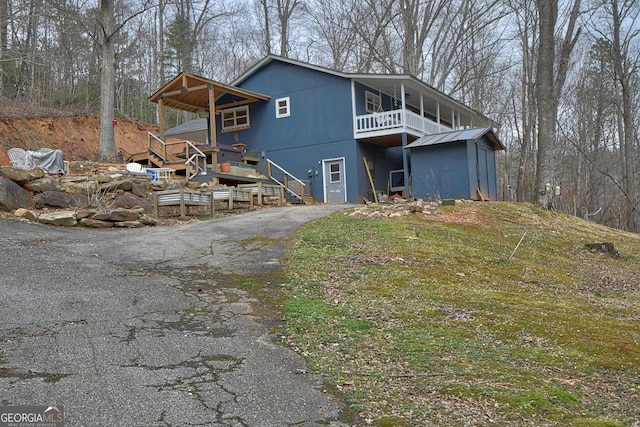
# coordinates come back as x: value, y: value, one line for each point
x: 405, y: 165
x: 405, y: 155
x: 404, y: 107
x: 353, y: 108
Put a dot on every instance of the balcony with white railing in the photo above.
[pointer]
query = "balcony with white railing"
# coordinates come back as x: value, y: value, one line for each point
x: 395, y: 122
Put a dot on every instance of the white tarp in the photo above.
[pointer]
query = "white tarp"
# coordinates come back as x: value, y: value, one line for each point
x: 51, y: 161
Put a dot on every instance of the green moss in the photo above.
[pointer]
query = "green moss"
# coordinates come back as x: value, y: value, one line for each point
x: 449, y: 309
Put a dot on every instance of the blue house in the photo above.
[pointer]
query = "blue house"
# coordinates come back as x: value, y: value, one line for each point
x: 341, y: 134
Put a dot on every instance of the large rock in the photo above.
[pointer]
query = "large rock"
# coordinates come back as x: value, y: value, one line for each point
x: 120, y: 184
x: 118, y: 215
x: 87, y: 188
x: 61, y: 218
x: 61, y: 200
x: 47, y: 183
x: 26, y: 214
x: 16, y: 175
x: 142, y: 187
x: 12, y: 196
x: 129, y: 201
x: 96, y: 223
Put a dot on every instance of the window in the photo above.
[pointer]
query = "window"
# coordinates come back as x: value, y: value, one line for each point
x: 282, y: 108
x: 235, y: 118
x: 373, y: 102
x: 334, y: 173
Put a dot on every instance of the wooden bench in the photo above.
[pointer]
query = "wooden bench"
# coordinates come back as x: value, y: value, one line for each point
x: 186, y: 198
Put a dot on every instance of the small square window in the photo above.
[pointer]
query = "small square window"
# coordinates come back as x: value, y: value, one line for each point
x: 282, y: 108
x: 373, y: 102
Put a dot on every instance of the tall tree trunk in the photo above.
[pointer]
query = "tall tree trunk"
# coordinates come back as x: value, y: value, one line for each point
x: 267, y: 31
x: 546, y: 103
x: 107, y: 146
x: 285, y: 10
x: 625, y: 125
x: 551, y: 73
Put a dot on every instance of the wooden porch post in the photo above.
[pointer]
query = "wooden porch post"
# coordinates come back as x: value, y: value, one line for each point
x: 438, y: 112
x: 212, y: 131
x: 161, y: 116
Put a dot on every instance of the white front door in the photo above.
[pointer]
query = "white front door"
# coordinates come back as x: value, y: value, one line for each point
x: 335, y: 183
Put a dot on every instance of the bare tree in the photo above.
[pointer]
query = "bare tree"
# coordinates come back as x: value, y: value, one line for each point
x: 419, y: 19
x: 285, y: 10
x: 104, y: 33
x: 551, y: 71
x: 334, y: 33
x: 266, y: 24
x: 618, y: 31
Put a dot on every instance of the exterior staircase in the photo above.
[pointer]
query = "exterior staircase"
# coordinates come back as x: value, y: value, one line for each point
x: 179, y: 156
x: 296, y: 191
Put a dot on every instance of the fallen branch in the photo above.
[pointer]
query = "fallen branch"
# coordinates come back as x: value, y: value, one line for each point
x: 517, y: 246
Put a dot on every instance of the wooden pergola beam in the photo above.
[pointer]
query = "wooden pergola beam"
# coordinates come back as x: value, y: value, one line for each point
x: 184, y: 90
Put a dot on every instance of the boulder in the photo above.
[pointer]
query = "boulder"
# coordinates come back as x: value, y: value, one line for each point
x: 120, y: 184
x: 96, y: 223
x: 86, y: 188
x: 12, y: 196
x: 16, y: 175
x: 47, y: 183
x: 61, y: 200
x: 118, y: 215
x: 84, y: 213
x: 141, y: 188
x: 26, y: 214
x: 129, y: 201
x: 60, y: 218
x: 147, y: 220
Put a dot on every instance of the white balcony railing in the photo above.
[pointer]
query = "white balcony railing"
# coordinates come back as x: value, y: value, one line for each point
x: 391, y: 122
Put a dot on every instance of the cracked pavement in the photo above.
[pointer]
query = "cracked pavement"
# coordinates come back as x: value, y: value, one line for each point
x: 135, y: 328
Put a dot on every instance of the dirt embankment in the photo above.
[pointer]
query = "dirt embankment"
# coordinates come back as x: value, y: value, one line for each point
x: 77, y: 136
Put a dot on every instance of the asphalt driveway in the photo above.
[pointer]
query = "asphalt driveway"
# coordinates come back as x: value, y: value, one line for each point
x: 135, y: 327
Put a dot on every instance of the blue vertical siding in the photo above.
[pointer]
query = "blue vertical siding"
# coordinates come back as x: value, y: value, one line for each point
x: 320, y: 125
x: 450, y: 170
x: 440, y: 171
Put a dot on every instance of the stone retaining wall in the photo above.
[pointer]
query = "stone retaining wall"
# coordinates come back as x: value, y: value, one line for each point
x: 111, y: 199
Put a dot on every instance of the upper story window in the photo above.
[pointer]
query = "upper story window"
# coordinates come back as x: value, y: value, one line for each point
x: 373, y: 102
x: 235, y: 118
x: 283, y: 108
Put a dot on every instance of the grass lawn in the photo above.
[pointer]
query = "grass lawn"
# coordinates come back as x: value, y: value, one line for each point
x: 480, y: 314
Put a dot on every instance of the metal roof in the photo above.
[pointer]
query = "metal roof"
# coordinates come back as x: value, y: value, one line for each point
x: 190, y: 126
x: 458, y: 135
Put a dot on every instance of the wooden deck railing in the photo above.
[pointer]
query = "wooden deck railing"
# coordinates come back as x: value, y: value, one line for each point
x: 170, y: 152
x: 389, y: 122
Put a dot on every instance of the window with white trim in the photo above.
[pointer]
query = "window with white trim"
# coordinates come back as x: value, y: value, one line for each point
x: 335, y: 173
x: 235, y: 118
x: 373, y: 102
x: 283, y: 108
